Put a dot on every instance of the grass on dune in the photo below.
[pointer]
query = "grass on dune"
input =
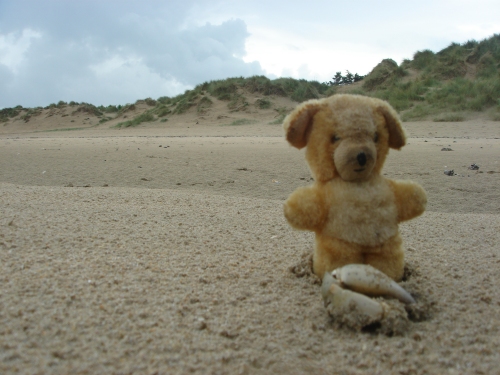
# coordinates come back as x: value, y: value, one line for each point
x: 143, y: 117
x: 460, y: 78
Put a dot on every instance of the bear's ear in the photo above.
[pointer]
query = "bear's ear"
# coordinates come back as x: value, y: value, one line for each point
x: 397, y: 138
x: 298, y: 124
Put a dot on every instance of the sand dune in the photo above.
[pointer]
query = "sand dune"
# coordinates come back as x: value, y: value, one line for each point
x: 165, y: 250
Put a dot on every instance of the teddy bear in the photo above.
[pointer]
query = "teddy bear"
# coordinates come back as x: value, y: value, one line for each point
x: 353, y: 210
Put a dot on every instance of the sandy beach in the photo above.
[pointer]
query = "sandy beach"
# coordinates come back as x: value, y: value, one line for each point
x: 163, y: 249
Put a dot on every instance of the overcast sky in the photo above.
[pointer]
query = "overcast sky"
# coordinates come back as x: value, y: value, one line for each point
x: 115, y: 52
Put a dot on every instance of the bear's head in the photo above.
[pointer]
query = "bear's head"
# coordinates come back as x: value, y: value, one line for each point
x: 346, y: 136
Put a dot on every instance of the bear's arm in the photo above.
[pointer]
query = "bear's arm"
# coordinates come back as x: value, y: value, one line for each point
x: 410, y: 199
x: 305, y: 208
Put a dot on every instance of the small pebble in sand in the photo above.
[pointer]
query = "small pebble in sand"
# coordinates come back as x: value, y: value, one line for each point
x: 201, y: 324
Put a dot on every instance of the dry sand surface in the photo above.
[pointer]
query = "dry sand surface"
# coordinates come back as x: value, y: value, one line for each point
x: 163, y: 250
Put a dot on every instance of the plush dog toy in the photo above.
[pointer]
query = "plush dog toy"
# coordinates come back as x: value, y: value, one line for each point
x: 353, y: 210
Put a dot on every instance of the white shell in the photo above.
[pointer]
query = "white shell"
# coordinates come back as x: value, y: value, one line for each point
x: 363, y: 278
x: 366, y: 309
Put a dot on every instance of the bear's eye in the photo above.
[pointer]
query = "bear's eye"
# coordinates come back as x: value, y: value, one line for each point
x: 375, y: 138
x: 334, y: 139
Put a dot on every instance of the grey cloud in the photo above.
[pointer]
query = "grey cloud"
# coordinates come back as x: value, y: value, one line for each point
x: 160, y: 56
x: 214, y: 49
x: 6, y: 76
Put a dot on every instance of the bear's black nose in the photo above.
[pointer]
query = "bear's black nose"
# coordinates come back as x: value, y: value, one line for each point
x: 361, y: 159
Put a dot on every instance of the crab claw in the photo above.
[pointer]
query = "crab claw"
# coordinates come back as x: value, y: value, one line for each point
x: 363, y: 278
x: 365, y: 309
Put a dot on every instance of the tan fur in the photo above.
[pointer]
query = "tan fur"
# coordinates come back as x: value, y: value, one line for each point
x: 353, y: 210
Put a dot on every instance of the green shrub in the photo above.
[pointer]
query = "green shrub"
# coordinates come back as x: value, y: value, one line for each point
x: 126, y: 108
x: 287, y: 85
x: 237, y: 102
x: 150, y: 102
x: 332, y: 90
x: 387, y: 72
x: 478, y: 49
x: 450, y: 62
x: 204, y: 104
x: 423, y: 59
x: 89, y: 109
x: 227, y: 90
x: 263, y: 103
x: 304, y: 92
x: 487, y: 66
x: 108, y: 109
x: 322, y: 88
x: 164, y: 100
x: 7, y: 113
x: 143, y: 117
x: 223, y: 90
x: 30, y: 113
x: 182, y: 106
x: 182, y: 102
x: 406, y: 64
x: 403, y: 95
x: 417, y: 112
x: 162, y: 111
x: 192, y: 95
x: 260, y: 84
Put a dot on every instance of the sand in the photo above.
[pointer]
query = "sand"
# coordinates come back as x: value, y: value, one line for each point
x: 163, y: 249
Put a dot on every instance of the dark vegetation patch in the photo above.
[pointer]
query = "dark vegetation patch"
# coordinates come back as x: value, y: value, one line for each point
x: 88, y: 109
x: 8, y: 113
x: 204, y: 104
x: 263, y: 103
x: 143, y: 117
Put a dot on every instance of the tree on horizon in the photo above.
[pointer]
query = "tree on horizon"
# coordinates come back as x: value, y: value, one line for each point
x: 349, y: 78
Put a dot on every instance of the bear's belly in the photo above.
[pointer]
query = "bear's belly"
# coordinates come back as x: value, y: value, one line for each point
x: 363, y: 213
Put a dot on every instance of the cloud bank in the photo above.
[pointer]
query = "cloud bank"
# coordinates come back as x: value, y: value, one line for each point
x: 109, y: 54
